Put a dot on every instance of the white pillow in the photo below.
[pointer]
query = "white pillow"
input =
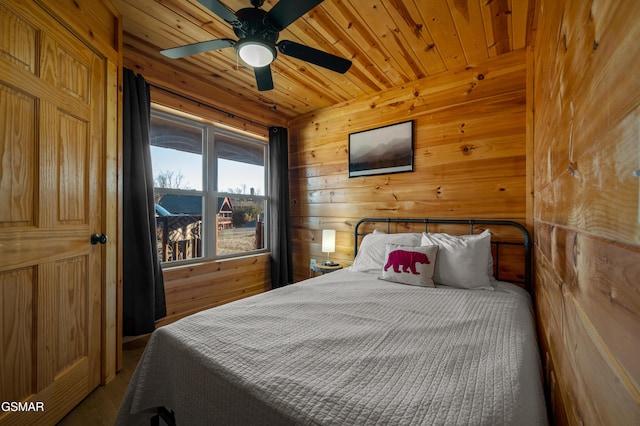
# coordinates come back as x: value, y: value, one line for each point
x: 463, y: 261
x: 410, y: 265
x: 371, y: 253
x: 474, y: 236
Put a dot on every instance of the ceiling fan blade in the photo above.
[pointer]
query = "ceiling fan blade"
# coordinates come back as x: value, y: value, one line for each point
x: 192, y: 49
x: 286, y: 11
x: 221, y: 10
x: 263, y: 78
x: 314, y: 56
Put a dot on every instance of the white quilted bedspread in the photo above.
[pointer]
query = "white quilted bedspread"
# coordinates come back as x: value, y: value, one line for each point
x: 347, y: 349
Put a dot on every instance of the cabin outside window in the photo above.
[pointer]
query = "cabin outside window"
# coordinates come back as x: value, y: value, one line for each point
x: 210, y: 190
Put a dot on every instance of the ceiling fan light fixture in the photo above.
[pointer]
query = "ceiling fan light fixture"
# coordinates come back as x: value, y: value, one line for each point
x: 256, y: 54
x: 257, y: 32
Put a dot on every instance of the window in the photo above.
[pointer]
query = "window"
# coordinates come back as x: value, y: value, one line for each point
x: 210, y: 189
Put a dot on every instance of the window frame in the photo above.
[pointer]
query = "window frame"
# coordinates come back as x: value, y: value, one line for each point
x: 210, y: 191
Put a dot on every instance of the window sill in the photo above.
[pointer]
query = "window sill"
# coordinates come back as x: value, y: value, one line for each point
x: 203, y: 263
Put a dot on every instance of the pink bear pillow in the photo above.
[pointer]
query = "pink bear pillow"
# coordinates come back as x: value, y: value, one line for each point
x: 409, y: 265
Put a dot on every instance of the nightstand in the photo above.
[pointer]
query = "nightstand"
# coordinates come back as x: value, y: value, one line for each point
x: 318, y: 267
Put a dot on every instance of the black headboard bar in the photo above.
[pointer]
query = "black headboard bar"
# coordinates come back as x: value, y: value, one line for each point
x: 528, y: 285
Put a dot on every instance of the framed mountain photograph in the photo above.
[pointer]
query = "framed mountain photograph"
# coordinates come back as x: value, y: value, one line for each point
x: 383, y: 150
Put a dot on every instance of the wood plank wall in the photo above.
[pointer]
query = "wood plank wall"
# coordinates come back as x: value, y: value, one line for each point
x: 469, y: 156
x: 192, y: 288
x: 587, y: 236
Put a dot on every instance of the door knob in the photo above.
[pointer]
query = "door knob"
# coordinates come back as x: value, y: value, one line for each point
x: 99, y: 238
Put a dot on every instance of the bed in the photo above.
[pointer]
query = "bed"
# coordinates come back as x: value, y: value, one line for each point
x: 359, y: 346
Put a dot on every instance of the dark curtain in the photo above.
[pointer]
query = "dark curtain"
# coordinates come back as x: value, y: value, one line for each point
x: 279, y: 208
x: 143, y: 297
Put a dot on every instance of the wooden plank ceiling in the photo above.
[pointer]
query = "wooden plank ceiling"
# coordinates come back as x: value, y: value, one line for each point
x: 391, y: 43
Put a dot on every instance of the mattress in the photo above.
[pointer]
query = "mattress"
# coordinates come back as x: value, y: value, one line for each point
x: 347, y: 348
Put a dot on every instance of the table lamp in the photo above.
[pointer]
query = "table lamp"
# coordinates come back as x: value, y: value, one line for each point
x: 329, y: 245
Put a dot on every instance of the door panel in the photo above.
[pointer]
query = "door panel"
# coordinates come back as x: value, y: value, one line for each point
x: 52, y: 116
x: 73, y: 163
x: 18, y: 147
x: 16, y: 344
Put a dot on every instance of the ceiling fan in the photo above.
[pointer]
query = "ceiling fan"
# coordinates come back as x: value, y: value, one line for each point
x: 258, y: 32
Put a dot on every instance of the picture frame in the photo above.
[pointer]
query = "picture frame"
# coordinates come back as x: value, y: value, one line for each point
x: 383, y: 150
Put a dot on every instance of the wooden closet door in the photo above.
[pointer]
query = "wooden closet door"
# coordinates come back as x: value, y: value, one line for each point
x: 52, y: 109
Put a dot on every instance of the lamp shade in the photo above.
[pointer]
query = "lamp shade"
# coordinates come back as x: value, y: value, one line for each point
x: 329, y: 240
x: 256, y: 54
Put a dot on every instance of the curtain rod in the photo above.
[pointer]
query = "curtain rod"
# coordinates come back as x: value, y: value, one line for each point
x: 211, y: 107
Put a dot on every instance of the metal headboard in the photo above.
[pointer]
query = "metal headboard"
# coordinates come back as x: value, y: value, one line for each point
x: 526, y: 243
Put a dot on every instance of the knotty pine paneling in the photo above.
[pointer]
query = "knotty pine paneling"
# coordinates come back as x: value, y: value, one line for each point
x: 192, y: 288
x: 390, y: 44
x: 95, y: 21
x: 197, y: 93
x: 587, y: 236
x: 469, y: 156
